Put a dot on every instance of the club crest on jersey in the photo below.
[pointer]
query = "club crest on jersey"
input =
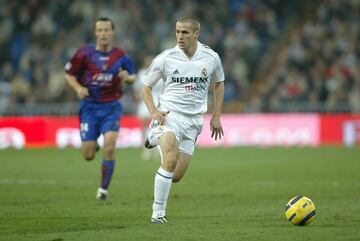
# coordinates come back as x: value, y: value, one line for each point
x: 68, y: 66
x: 204, y: 72
x: 104, y: 67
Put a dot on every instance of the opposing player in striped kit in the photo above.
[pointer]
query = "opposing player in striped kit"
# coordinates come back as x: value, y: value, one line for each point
x: 96, y: 73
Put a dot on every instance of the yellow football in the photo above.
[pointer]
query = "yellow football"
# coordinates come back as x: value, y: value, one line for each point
x: 300, y: 210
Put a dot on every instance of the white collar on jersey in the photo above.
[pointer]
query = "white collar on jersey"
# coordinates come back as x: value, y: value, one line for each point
x: 199, y: 45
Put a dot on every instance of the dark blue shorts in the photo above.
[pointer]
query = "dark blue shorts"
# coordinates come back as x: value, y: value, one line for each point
x: 98, y: 118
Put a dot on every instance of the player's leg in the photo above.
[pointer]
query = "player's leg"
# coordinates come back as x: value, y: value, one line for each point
x: 110, y: 138
x: 191, y: 132
x: 109, y: 126
x: 163, y: 178
x: 108, y: 163
x: 170, y: 151
x: 167, y: 138
x: 89, y: 131
x: 186, y: 147
x: 181, y: 166
x: 88, y: 149
x: 144, y: 115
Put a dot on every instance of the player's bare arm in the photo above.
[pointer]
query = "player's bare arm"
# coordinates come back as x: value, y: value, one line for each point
x: 124, y: 75
x: 215, y: 124
x: 149, y: 101
x: 80, y: 90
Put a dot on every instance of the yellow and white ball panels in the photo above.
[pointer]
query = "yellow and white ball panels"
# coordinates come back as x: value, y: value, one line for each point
x: 300, y: 210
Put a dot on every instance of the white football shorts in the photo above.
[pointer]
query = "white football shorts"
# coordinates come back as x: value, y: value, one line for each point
x: 185, y: 128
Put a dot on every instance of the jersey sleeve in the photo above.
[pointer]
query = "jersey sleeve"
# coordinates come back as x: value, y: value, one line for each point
x: 154, y: 73
x: 73, y: 67
x: 128, y: 65
x: 218, y: 74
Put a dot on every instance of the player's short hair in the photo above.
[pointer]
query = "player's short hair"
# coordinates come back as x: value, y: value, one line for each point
x: 106, y: 19
x: 194, y: 23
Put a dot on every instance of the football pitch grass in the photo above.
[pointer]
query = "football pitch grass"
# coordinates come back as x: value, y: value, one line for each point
x: 227, y: 194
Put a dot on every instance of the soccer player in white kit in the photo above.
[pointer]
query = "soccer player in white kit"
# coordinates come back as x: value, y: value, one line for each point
x: 187, y: 69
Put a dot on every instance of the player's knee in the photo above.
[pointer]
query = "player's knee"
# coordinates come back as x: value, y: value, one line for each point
x: 109, y: 149
x: 88, y: 152
x: 176, y: 179
x: 170, y: 159
x: 89, y: 156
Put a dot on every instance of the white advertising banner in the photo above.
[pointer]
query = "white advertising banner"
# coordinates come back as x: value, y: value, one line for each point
x: 264, y: 130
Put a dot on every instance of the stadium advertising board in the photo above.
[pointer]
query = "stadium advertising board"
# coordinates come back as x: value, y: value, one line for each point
x: 48, y: 131
x: 240, y: 130
x: 265, y: 130
x: 336, y: 129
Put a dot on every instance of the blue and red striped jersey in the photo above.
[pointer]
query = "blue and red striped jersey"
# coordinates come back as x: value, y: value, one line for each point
x: 98, y: 71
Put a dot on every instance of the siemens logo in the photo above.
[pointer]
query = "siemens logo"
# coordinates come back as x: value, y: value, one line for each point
x: 186, y: 80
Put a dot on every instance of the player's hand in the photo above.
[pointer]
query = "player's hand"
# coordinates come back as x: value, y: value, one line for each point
x: 82, y: 92
x: 124, y: 75
x: 159, y: 116
x: 216, y: 129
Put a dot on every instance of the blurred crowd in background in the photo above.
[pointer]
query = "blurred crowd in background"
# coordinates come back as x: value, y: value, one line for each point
x: 277, y: 55
x: 317, y: 67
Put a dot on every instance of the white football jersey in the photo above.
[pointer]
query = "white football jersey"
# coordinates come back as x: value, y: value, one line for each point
x: 187, y: 80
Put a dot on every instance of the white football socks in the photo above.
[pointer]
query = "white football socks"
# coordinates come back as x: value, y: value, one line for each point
x: 163, y: 180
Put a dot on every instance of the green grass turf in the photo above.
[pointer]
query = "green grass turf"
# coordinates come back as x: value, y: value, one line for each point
x: 227, y: 194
